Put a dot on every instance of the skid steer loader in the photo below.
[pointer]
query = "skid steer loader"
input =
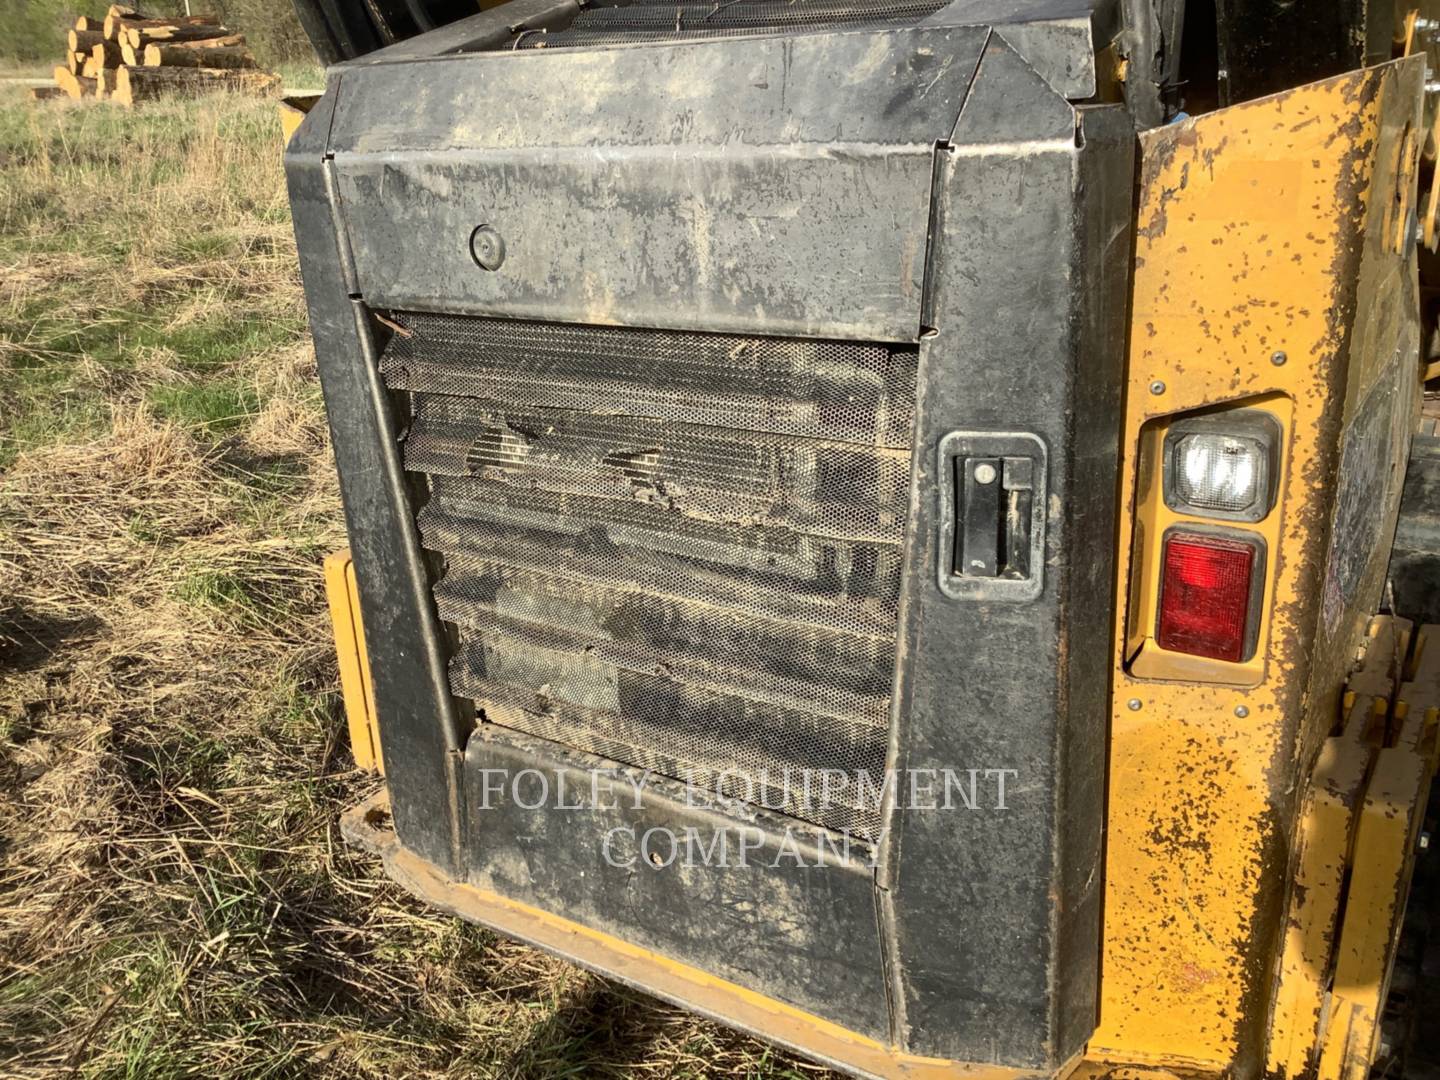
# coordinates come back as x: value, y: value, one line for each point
x: 870, y: 520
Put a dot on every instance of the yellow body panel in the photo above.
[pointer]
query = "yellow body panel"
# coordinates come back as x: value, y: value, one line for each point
x: 1264, y: 270
x: 1375, y: 904
x: 1327, y: 823
x: 292, y: 111
x: 353, y: 662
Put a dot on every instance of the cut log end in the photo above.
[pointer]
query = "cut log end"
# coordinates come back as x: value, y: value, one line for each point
x: 74, y: 86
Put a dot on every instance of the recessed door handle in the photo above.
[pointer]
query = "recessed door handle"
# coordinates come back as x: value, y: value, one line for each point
x: 991, y: 515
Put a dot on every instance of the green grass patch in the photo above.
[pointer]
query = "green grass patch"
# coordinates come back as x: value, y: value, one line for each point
x: 147, y: 529
x: 215, y: 589
x: 213, y: 407
x: 224, y: 340
x: 70, y: 418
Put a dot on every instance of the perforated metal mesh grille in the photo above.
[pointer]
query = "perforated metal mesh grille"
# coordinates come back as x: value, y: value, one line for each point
x: 677, y: 550
x: 824, y: 389
x: 744, y: 748
x: 778, y: 574
x: 655, y: 20
x: 737, y: 478
x: 797, y: 668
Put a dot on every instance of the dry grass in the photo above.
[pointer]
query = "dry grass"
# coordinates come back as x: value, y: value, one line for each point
x: 174, y: 897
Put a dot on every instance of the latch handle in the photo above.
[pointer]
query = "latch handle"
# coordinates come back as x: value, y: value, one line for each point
x: 992, y: 515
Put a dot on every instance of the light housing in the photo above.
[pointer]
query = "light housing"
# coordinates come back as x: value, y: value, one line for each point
x: 1210, y: 592
x: 1223, y: 465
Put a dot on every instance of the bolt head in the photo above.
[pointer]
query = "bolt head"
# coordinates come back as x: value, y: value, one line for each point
x: 487, y: 247
x: 1278, y: 358
x: 1157, y: 387
x: 1133, y: 704
x: 985, y: 473
x: 1424, y: 841
x: 1241, y: 711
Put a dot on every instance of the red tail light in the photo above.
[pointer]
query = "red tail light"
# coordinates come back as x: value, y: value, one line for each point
x: 1207, y: 595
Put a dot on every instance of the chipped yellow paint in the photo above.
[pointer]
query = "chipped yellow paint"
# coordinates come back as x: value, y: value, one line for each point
x: 1323, y: 846
x: 1375, y: 903
x: 354, y: 663
x: 1103, y: 1070
x: 1327, y: 1025
x: 1261, y: 231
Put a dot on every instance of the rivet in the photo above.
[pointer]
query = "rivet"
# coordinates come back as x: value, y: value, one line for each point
x: 1241, y: 711
x: 1157, y: 387
x: 985, y: 473
x: 1133, y: 704
x: 1278, y: 358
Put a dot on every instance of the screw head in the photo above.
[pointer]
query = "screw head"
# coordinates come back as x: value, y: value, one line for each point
x: 985, y: 473
x: 1157, y: 387
x: 1278, y: 358
x: 1241, y: 711
x: 487, y: 247
x: 1424, y: 841
x: 1133, y: 704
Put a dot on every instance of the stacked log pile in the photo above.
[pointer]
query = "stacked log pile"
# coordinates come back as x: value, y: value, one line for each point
x: 129, y: 57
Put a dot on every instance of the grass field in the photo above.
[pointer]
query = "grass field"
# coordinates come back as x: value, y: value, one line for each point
x: 35, y: 29
x: 175, y: 899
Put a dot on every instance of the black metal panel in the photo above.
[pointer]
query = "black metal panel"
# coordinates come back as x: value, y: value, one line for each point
x: 996, y: 955
x: 1060, y: 39
x: 421, y: 736
x: 725, y: 194
x: 1415, y: 558
x: 1271, y: 45
x: 1151, y: 46
x: 802, y: 934
x: 666, y: 20
x: 337, y: 29
x: 493, y: 28
x: 347, y: 29
x: 676, y: 552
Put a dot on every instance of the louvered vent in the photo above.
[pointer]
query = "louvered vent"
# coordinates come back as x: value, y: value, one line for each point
x: 680, y: 551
